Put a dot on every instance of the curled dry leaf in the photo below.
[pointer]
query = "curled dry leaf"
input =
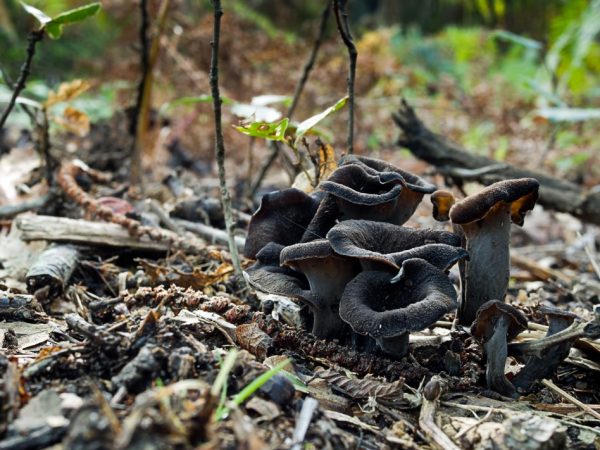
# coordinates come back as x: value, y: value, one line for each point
x: 251, y: 338
x: 75, y: 121
x: 67, y: 91
x: 362, y: 388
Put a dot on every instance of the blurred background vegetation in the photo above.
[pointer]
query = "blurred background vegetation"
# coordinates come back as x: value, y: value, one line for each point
x: 512, y: 79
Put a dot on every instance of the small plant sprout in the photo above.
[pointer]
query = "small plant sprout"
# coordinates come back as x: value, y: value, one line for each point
x: 249, y: 390
x: 53, y: 26
x: 291, y: 135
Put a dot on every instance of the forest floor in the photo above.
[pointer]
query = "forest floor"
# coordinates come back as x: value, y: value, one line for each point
x: 123, y: 325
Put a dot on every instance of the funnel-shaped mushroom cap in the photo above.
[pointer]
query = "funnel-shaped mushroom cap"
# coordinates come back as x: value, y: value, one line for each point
x: 521, y: 194
x: 327, y: 274
x: 558, y: 319
x: 376, y: 244
x: 282, y: 217
x: 442, y: 202
x: 372, y: 305
x: 266, y: 275
x: 488, y: 315
x: 413, y: 182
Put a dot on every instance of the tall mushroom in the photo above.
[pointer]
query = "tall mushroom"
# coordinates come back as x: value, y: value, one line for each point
x: 383, y: 246
x: 373, y: 305
x: 282, y: 217
x: 485, y: 219
x: 327, y: 274
x: 495, y: 325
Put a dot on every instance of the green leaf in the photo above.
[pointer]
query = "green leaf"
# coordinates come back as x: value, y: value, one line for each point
x: 517, y: 39
x: 54, y: 27
x: 312, y: 121
x: 273, y: 131
x: 41, y: 17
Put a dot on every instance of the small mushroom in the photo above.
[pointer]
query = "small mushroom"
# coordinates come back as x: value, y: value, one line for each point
x: 495, y: 325
x: 373, y: 305
x: 282, y: 218
x: 327, y: 274
x: 442, y: 202
x: 577, y: 330
x: 537, y: 367
x: 383, y: 246
x: 485, y: 219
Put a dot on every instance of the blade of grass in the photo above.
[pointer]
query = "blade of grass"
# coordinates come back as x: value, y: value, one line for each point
x: 251, y: 388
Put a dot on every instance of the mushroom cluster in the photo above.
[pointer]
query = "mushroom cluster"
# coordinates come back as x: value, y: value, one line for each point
x: 344, y: 253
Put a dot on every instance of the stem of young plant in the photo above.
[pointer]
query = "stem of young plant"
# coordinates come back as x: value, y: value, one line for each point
x: 275, y: 148
x: 43, y: 143
x: 136, y: 118
x: 143, y: 113
x: 33, y: 38
x: 219, y: 143
x: 341, y: 18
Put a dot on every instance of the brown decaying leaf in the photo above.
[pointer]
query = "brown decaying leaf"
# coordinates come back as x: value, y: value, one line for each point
x: 75, y: 121
x: 361, y: 388
x: 67, y: 91
x: 197, y: 279
x: 250, y: 337
x: 327, y: 162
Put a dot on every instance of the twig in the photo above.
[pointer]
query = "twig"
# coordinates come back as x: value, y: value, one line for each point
x: 341, y: 18
x: 136, y: 119
x: 10, y: 211
x: 219, y: 144
x: 208, y: 233
x: 309, y: 406
x: 549, y: 384
x: 33, y: 38
x: 476, y: 424
x: 275, y: 148
x: 311, y: 60
x: 431, y: 396
x: 593, y: 261
x: 145, y: 102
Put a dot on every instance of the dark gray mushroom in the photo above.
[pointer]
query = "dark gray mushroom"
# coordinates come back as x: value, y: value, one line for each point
x: 327, y: 274
x: 414, y: 187
x: 352, y: 192
x: 442, y: 202
x: 495, y: 325
x: 373, y: 305
x: 282, y: 218
x: 537, y: 367
x: 384, y: 246
x: 485, y: 219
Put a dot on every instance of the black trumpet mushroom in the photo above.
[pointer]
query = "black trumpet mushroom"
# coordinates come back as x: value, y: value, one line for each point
x: 539, y: 367
x: 282, y: 217
x: 327, y: 274
x: 495, y: 325
x: 387, y: 308
x: 485, y: 219
x: 384, y: 246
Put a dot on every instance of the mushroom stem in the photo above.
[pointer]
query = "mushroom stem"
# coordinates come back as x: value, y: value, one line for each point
x: 327, y: 323
x: 539, y: 347
x: 486, y: 273
x: 496, y: 353
x: 396, y: 346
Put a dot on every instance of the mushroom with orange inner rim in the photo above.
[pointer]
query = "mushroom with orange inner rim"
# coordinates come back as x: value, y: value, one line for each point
x: 442, y: 201
x: 485, y: 218
x: 327, y: 274
x: 387, y: 308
